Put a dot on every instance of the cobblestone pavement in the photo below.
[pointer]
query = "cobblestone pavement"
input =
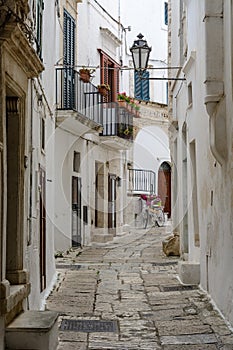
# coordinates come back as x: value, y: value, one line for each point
x: 133, y: 286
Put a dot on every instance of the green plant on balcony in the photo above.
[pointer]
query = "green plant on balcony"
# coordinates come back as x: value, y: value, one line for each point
x: 128, y: 102
x: 125, y: 131
x: 123, y: 97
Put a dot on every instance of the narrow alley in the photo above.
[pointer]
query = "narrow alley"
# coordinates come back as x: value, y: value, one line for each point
x: 125, y: 295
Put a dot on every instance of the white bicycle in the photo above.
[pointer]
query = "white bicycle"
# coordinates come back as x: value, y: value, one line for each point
x: 152, y: 211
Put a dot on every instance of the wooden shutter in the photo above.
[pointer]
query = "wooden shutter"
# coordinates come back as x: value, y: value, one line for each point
x: 109, y: 75
x: 142, y: 87
x: 116, y: 81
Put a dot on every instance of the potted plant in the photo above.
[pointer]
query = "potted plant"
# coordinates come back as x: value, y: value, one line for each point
x: 103, y: 89
x: 128, y: 103
x: 85, y: 74
x: 123, y: 99
x: 126, y: 131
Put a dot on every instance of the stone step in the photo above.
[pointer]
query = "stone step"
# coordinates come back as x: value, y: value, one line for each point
x: 33, y: 330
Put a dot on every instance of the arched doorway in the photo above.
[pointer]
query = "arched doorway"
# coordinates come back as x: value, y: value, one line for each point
x: 164, y: 186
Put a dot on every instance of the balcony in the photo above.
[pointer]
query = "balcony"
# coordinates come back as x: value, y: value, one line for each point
x: 81, y: 109
x: 142, y: 181
x: 117, y: 126
x: 78, y: 104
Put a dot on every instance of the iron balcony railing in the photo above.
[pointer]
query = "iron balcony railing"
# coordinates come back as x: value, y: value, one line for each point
x: 142, y: 181
x: 74, y: 94
x: 117, y: 121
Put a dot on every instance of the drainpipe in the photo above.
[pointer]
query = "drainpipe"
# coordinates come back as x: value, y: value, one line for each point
x: 31, y: 163
x: 214, y: 78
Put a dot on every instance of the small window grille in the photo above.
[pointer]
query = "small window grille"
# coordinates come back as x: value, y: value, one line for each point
x: 166, y: 13
x: 42, y: 134
x: 190, y: 94
x: 76, y: 162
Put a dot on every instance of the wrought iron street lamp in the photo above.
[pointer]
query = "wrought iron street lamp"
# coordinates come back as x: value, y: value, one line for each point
x: 140, y: 53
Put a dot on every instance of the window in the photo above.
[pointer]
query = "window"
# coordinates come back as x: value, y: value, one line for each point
x: 166, y: 13
x: 39, y: 26
x: 142, y: 87
x: 190, y: 94
x: 76, y: 162
x: 42, y: 134
x: 109, y: 75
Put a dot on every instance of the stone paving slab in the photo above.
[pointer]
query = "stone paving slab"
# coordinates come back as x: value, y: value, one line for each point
x: 179, y: 327
x: 72, y: 345
x: 124, y: 346
x: 192, y: 347
x: 189, y: 339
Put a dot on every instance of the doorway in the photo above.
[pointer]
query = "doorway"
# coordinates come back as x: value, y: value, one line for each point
x: 14, y: 189
x: 76, y: 212
x: 164, y: 186
x: 112, y: 203
x: 99, y: 194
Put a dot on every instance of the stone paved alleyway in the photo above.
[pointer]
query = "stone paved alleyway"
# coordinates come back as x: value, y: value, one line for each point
x: 129, y: 281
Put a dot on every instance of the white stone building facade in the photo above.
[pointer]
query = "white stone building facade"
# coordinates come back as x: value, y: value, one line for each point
x: 200, y: 39
x: 27, y: 267
x: 91, y: 153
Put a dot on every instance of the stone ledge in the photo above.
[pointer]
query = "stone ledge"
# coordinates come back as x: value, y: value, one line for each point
x: 33, y: 330
x: 189, y: 272
x: 33, y: 321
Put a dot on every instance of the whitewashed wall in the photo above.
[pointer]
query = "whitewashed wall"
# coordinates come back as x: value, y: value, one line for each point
x: 91, y: 18
x: 213, y: 210
x: 41, y: 105
x: 151, y: 149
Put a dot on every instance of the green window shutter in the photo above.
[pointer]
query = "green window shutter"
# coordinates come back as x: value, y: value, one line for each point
x: 166, y: 13
x: 141, y: 86
x: 69, y: 39
x: 69, y: 60
x: 39, y: 26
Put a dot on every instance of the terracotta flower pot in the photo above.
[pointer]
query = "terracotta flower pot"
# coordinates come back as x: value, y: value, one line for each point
x: 122, y: 103
x: 84, y: 75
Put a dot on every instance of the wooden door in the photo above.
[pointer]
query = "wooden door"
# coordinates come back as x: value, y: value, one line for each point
x: 76, y: 211
x: 112, y: 202
x: 164, y: 186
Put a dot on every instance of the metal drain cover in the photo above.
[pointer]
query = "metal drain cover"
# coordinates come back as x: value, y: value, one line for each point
x: 165, y: 263
x: 176, y: 288
x: 88, y: 326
